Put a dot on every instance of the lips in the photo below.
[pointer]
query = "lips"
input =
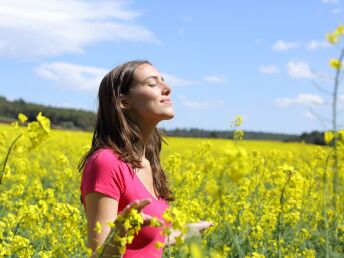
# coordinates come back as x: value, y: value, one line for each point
x: 166, y: 100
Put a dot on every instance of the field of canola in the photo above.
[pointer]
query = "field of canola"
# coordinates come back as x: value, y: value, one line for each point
x: 266, y: 199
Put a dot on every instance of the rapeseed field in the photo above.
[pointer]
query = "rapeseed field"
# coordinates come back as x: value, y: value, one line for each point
x: 266, y: 199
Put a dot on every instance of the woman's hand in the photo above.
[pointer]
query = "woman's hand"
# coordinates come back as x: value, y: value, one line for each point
x: 138, y: 205
x: 112, y: 247
x: 195, y: 229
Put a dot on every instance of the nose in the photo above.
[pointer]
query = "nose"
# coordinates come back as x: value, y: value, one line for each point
x: 166, y: 89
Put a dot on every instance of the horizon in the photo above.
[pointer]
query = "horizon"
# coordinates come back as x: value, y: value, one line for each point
x: 176, y: 128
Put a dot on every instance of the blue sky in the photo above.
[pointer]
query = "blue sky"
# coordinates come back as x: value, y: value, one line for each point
x: 258, y: 59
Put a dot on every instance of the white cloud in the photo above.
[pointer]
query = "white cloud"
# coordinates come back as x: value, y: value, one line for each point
x: 176, y: 81
x: 194, y: 104
x: 88, y: 78
x: 73, y: 106
x: 269, y: 69
x: 308, y: 114
x: 259, y: 41
x: 215, y: 79
x: 336, y: 10
x: 311, y: 45
x: 302, y: 99
x: 33, y: 28
x: 341, y: 98
x: 284, y: 46
x: 181, y: 31
x: 330, y: 1
x: 314, y: 44
x: 72, y: 76
x: 298, y: 70
x: 187, y: 18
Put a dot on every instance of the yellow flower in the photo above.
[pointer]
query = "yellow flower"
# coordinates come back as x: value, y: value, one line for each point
x: 332, y: 38
x: 340, y: 134
x: 328, y: 136
x: 121, y: 243
x: 47, y: 254
x: 167, y: 217
x: 340, y: 30
x: 154, y: 222
x: 120, y: 240
x: 179, y: 239
x: 238, y: 134
x: 98, y: 228
x: 335, y: 63
x: 304, y: 233
x: 238, y: 120
x: 126, y: 224
x: 257, y: 255
x: 195, y: 250
x: 15, y: 125
x: 215, y: 254
x: 22, y: 118
x: 44, y: 122
x: 130, y: 239
x: 309, y: 253
x: 110, y: 224
x: 211, y: 187
x: 226, y: 249
x: 122, y: 249
x: 159, y: 245
x: 62, y: 160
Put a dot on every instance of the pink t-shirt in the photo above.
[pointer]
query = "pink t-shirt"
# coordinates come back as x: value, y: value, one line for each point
x: 105, y: 173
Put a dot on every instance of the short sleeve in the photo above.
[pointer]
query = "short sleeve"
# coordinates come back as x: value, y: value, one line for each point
x: 103, y: 173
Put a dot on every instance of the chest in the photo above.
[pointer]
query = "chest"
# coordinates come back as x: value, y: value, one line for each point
x: 145, y: 176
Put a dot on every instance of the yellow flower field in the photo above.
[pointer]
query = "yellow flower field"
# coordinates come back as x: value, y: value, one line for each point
x: 266, y: 199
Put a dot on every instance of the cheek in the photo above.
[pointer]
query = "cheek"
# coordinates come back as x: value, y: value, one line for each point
x: 145, y: 101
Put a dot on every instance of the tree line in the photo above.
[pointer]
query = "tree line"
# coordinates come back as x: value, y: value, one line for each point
x: 77, y: 119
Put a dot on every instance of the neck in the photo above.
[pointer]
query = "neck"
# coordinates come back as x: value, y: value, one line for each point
x: 147, y: 130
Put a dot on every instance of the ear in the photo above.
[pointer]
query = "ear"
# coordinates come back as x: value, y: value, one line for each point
x: 123, y: 101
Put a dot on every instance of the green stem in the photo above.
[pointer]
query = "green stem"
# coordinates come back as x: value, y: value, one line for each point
x: 279, y: 216
x: 325, y: 209
x: 335, y: 149
x: 8, y: 155
x: 169, y: 248
x: 43, y: 238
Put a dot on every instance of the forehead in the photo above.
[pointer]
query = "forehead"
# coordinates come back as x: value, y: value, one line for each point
x: 144, y: 71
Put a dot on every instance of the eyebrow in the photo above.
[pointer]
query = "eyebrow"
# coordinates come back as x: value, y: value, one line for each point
x: 155, y: 77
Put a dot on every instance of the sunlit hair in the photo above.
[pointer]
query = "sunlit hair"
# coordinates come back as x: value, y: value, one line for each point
x: 116, y: 130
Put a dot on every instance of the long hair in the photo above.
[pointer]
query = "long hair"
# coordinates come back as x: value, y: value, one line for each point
x: 116, y: 130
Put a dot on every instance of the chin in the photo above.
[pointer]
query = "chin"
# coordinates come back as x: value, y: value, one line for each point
x: 168, y: 116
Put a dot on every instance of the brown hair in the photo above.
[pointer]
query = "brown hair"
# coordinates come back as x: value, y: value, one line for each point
x: 114, y: 129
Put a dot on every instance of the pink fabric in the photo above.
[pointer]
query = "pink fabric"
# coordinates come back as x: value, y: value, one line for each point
x: 105, y: 173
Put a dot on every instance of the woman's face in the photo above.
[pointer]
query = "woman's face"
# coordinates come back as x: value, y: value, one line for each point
x: 149, y: 100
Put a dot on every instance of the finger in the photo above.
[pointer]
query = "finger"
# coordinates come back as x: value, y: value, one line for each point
x: 142, y: 204
x: 204, y: 225
x: 147, y: 219
x: 146, y: 216
x: 137, y: 204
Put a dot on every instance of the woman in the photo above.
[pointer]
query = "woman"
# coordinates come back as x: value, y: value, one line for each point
x: 122, y: 170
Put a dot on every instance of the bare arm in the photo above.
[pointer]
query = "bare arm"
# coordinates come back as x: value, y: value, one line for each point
x: 171, y: 239
x: 103, y: 209
x: 193, y: 229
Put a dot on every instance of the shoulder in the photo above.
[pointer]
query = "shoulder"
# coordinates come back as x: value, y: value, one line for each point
x: 104, y: 172
x: 105, y: 164
x: 104, y: 157
x: 105, y: 160
x: 105, y: 153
